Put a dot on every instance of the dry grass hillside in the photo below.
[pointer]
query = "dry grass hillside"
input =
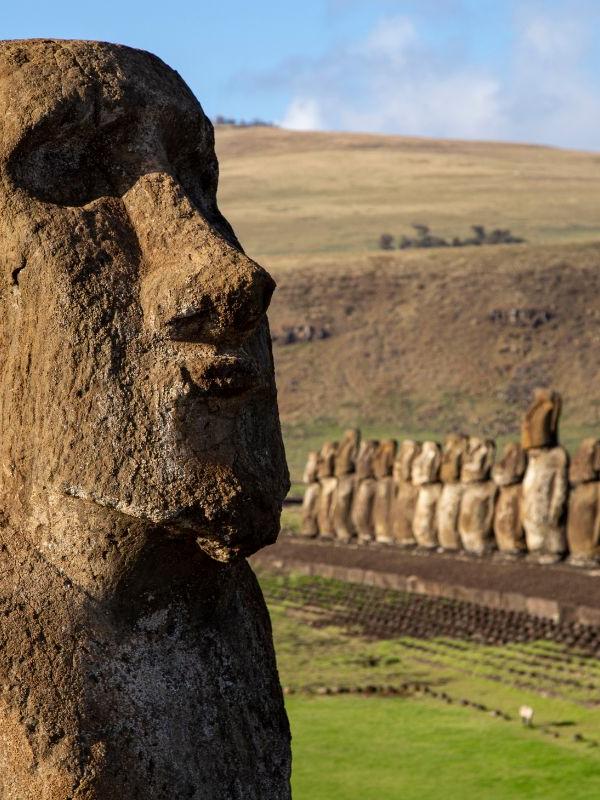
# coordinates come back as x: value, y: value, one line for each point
x: 427, y: 340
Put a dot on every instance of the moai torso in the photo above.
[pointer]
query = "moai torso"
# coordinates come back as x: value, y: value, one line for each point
x: 425, y: 475
x: 475, y: 521
x: 448, y: 507
x: 405, y: 494
x: 583, y: 522
x: 328, y: 482
x: 345, y: 469
x: 310, y: 501
x: 364, y: 497
x: 141, y: 445
x: 508, y: 475
x: 384, y: 494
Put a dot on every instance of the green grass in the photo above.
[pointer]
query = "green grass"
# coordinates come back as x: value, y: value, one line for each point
x: 349, y: 748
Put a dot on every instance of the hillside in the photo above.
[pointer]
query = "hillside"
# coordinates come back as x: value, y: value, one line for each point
x: 430, y: 340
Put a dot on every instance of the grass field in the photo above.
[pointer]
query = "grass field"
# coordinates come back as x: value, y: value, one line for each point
x: 416, y: 718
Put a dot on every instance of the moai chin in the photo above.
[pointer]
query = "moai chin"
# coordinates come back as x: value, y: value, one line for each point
x: 476, y: 515
x: 310, y: 500
x: 345, y: 471
x: 328, y: 482
x: 384, y: 494
x: 364, y: 496
x: 448, y: 508
x: 405, y: 494
x: 583, y: 521
x: 507, y: 474
x: 540, y: 423
x: 141, y: 449
x: 425, y: 475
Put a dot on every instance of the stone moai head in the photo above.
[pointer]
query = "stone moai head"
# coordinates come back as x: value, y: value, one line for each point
x: 365, y: 458
x: 478, y: 460
x: 426, y: 465
x: 312, y: 467
x: 407, y: 452
x: 540, y: 424
x: 585, y: 464
x: 511, y: 466
x: 327, y: 456
x: 455, y: 445
x: 137, y: 376
x: 383, y: 463
x: 345, y: 462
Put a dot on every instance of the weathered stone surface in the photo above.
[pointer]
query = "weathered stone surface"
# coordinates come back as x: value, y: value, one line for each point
x: 585, y: 464
x: 141, y: 450
x: 364, y: 459
x: 478, y: 459
x: 362, y: 510
x: 508, y: 527
x: 455, y: 446
x: 385, y: 455
x: 311, y: 470
x: 475, y: 521
x: 583, y: 527
x: 326, y: 461
x: 310, y: 511
x: 425, y: 517
x: 540, y: 424
x: 511, y: 466
x: 345, y: 460
x: 426, y: 464
x: 325, y: 520
x: 545, y: 502
x: 405, y: 494
x: 448, y: 509
x: 342, y: 508
x: 383, y: 509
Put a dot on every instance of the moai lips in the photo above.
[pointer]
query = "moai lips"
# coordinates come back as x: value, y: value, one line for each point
x: 405, y: 494
x: 508, y: 475
x: 140, y: 441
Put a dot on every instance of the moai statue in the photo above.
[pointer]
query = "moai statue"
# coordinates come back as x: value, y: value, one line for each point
x: 540, y: 423
x: 405, y: 494
x: 545, y: 485
x: 448, y: 507
x: 328, y: 482
x: 583, y: 522
x: 141, y: 451
x: 425, y: 475
x: 384, y: 495
x: 310, y: 501
x: 364, y: 496
x: 345, y: 472
x: 508, y: 476
x: 476, y: 516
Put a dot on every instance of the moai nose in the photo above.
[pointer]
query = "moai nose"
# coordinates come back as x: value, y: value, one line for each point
x: 195, y: 286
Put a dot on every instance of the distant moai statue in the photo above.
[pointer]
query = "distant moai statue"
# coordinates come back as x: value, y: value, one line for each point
x: 384, y: 494
x: 425, y: 475
x: 345, y: 472
x: 328, y: 481
x: 583, y: 521
x: 405, y: 494
x: 366, y: 487
x: 310, y: 502
x: 476, y: 517
x: 545, y: 485
x: 508, y: 475
x: 448, y: 509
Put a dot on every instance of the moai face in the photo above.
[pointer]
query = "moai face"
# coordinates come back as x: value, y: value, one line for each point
x: 364, y: 460
x: 511, y: 466
x: 326, y: 465
x: 478, y: 460
x: 426, y: 466
x: 455, y: 446
x: 137, y: 373
x: 345, y: 462
x: 540, y: 424
x: 384, y: 458
x: 585, y: 465
x: 407, y: 452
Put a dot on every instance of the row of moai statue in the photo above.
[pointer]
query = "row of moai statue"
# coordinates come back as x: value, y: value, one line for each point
x: 532, y: 500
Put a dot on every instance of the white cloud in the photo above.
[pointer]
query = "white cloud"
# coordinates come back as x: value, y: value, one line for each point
x: 303, y: 114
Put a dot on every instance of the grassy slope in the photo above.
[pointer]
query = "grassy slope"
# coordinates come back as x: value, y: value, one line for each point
x: 413, y: 350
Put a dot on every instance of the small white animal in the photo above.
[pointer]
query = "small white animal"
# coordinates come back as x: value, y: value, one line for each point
x: 526, y: 714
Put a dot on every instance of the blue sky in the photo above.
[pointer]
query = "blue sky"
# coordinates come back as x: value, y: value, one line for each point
x: 493, y: 69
